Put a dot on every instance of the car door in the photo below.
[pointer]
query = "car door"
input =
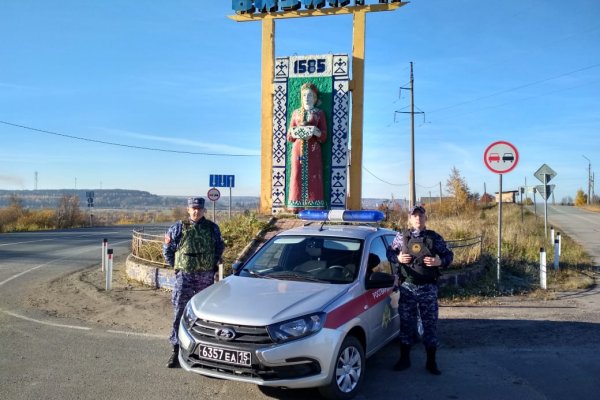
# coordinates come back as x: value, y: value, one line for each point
x: 383, y: 303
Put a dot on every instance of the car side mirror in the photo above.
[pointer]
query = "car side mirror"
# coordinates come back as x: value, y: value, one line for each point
x: 380, y: 280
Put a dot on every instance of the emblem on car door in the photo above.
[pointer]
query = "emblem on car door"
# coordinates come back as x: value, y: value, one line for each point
x: 227, y: 334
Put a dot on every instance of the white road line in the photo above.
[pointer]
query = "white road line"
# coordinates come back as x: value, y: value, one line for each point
x: 49, y: 262
x: 83, y: 328
x: 26, y: 271
x: 69, y: 235
x: 137, y: 334
x: 29, y: 241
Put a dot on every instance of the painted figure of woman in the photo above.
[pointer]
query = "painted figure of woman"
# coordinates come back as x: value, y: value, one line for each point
x: 308, y: 130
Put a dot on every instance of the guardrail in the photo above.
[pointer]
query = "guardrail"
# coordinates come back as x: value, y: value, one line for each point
x: 466, y: 251
x: 147, y: 247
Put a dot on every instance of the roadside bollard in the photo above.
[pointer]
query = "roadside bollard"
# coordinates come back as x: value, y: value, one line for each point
x: 559, y: 243
x: 543, y: 268
x: 556, y: 254
x: 220, y: 272
x: 109, y: 266
x: 104, y: 247
x: 551, y: 234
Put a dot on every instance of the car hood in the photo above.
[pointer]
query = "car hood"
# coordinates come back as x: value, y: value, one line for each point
x: 255, y: 301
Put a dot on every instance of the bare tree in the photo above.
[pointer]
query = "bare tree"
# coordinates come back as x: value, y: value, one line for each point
x: 68, y: 213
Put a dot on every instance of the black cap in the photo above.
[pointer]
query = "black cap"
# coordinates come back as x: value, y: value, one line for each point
x: 196, y: 202
x: 415, y: 209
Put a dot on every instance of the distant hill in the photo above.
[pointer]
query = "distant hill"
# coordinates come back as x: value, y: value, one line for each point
x: 114, y: 199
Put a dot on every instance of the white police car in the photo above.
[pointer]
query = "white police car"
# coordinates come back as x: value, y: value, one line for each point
x: 305, y: 311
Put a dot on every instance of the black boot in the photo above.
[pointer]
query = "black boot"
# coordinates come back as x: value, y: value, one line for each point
x: 174, y: 359
x: 431, y: 364
x: 404, y: 361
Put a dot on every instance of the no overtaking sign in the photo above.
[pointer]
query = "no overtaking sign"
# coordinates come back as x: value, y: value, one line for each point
x: 501, y: 157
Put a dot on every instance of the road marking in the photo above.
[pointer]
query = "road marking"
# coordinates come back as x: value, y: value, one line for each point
x: 83, y: 328
x: 58, y: 238
x: 126, y: 333
x: 26, y: 271
x: 29, y: 241
x: 51, y: 261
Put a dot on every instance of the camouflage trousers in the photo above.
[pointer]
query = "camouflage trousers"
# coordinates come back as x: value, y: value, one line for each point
x: 418, y: 299
x: 186, y: 286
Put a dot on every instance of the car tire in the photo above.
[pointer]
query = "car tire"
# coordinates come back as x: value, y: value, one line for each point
x: 349, y: 371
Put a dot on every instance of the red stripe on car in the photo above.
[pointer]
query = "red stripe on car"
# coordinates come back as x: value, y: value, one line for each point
x: 344, y: 313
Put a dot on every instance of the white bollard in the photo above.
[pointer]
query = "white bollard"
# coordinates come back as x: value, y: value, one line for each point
x: 109, y: 266
x: 104, y: 247
x: 543, y: 268
x: 559, y: 243
x: 220, y: 271
x: 551, y: 234
x: 556, y: 255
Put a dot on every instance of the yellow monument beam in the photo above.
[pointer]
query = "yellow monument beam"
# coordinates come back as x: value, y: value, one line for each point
x: 356, y: 86
x: 317, y: 12
x: 356, y: 126
x: 266, y: 146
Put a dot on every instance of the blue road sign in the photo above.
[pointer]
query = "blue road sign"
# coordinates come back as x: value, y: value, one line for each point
x: 222, y: 181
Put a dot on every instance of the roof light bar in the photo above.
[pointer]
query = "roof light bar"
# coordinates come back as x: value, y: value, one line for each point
x: 342, y: 215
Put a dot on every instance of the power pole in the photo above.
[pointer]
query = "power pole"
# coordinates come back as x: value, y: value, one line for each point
x: 413, y: 189
x: 589, y: 200
x: 411, y: 178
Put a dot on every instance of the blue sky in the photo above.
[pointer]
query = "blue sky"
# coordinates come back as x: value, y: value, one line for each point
x: 181, y: 76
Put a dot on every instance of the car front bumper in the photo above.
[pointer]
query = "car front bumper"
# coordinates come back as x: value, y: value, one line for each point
x: 302, y: 363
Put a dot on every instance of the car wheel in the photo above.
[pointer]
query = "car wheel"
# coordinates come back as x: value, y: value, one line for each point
x: 349, y: 371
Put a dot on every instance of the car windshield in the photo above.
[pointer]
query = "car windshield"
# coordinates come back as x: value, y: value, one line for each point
x: 307, y: 258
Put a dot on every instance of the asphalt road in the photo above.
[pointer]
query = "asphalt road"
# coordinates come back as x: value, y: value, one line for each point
x: 581, y: 225
x: 487, y: 357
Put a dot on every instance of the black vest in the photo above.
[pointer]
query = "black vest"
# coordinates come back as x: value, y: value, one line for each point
x: 417, y: 272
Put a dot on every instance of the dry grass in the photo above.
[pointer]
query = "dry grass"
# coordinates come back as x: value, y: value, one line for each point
x: 522, y: 238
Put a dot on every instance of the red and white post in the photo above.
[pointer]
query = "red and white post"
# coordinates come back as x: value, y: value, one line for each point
x: 543, y: 268
x: 104, y: 247
x: 109, y: 267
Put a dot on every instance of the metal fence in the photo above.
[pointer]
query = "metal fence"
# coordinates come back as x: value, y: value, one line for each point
x: 466, y: 251
x: 148, y: 247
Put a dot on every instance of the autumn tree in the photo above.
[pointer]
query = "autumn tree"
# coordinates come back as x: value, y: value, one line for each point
x: 457, y: 187
x: 580, y: 198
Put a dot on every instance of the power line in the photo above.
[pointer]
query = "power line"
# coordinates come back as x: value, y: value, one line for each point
x: 126, y: 145
x: 379, y: 179
x: 517, y: 88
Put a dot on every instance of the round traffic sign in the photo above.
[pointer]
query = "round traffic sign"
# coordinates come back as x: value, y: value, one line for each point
x: 501, y: 157
x: 213, y: 194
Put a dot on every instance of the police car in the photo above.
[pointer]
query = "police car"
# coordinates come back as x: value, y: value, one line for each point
x: 305, y: 311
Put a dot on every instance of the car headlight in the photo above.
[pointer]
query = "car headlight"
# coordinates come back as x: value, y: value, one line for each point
x: 296, y: 328
x: 189, y: 317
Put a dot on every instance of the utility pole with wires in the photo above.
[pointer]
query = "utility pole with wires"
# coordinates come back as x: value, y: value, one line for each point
x: 411, y: 177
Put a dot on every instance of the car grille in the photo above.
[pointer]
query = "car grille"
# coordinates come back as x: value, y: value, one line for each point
x: 245, y: 336
x: 307, y: 367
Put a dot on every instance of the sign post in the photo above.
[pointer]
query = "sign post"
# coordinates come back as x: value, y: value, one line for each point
x: 223, y: 181
x: 213, y: 195
x: 544, y: 175
x: 500, y: 157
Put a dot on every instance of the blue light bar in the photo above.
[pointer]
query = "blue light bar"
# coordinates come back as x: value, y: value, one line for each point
x: 342, y: 215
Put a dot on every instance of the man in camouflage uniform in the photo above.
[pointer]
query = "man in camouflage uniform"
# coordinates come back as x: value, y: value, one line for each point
x: 421, y: 253
x: 194, y: 248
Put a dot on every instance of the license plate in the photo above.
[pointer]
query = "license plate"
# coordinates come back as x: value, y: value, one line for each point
x: 224, y: 355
